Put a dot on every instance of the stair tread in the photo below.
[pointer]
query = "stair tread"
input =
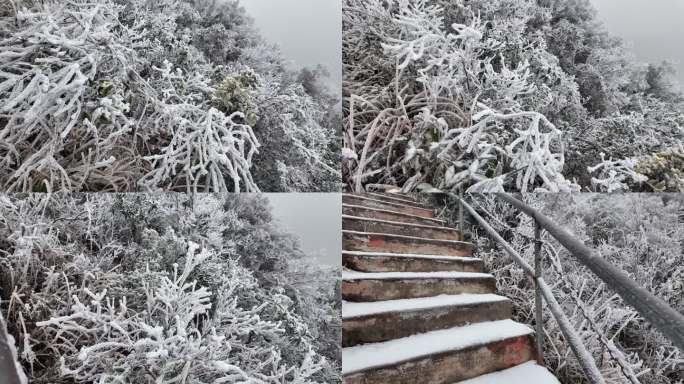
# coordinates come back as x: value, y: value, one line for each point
x: 392, y: 212
x: 399, y: 223
x: 376, y: 200
x: 376, y: 355
x: 397, y: 198
x: 358, y: 309
x: 529, y: 372
x: 410, y: 256
x: 354, y: 275
x: 407, y: 237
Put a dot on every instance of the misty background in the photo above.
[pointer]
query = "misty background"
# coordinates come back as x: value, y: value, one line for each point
x: 653, y: 28
x: 309, y: 32
x: 316, y: 218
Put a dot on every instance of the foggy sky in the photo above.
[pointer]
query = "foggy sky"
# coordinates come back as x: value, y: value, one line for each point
x: 316, y: 218
x: 654, y: 28
x: 309, y: 32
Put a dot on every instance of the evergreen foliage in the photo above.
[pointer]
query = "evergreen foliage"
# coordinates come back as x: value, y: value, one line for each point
x: 516, y: 95
x: 124, y: 95
x: 163, y: 288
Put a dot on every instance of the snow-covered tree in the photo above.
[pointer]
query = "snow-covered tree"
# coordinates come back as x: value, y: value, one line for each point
x: 641, y: 234
x: 121, y: 95
x: 162, y: 288
x: 496, y: 95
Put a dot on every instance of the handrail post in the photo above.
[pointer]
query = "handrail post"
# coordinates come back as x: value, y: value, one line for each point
x: 461, y: 225
x: 539, y: 327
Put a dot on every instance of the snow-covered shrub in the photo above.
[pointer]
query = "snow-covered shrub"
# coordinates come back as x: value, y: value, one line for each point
x: 491, y: 95
x: 120, y: 95
x: 448, y: 114
x: 156, y: 288
x: 641, y: 234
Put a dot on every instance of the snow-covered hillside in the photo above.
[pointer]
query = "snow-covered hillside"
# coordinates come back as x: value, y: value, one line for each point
x: 163, y: 288
x: 514, y: 95
x: 124, y: 95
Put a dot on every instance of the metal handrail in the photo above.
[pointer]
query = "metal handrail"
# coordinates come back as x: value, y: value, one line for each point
x: 663, y: 317
x: 667, y: 320
x: 543, y: 290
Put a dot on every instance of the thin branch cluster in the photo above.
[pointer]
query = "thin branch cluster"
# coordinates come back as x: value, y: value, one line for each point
x: 121, y: 95
x: 641, y: 234
x: 162, y: 289
x: 479, y: 96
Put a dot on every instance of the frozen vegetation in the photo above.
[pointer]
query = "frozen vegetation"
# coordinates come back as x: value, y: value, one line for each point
x: 162, y: 288
x: 641, y: 234
x: 147, y: 95
x: 492, y: 95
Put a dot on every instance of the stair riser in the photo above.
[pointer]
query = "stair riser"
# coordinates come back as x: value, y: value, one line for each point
x: 379, y: 290
x: 403, y: 264
x: 394, y: 199
x: 395, y: 325
x: 389, y: 216
x: 451, y: 367
x: 441, y: 233
x: 379, y: 243
x: 358, y: 200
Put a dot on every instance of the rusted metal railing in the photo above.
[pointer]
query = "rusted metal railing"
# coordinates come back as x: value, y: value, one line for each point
x: 664, y: 318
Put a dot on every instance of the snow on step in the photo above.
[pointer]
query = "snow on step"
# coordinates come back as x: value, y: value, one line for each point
x: 363, y: 357
x: 525, y: 373
x: 367, y: 224
x: 386, y: 213
x: 353, y: 309
x: 395, y: 198
x: 353, y: 275
x: 412, y: 225
x: 383, y: 242
x: 411, y: 255
x: 375, y: 203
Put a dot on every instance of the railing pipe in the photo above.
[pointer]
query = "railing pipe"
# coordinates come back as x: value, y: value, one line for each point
x: 539, y: 320
x: 667, y: 320
x: 583, y: 356
x: 461, y: 220
x: 580, y: 351
x: 492, y: 232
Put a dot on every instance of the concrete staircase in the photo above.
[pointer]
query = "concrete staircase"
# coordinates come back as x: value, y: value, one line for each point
x: 418, y: 307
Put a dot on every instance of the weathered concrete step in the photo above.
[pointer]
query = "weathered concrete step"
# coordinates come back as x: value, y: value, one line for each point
x: 382, y: 242
x: 395, y: 198
x: 529, y: 372
x: 396, y: 207
x: 364, y: 224
x: 402, y: 262
x: 390, y: 215
x: 440, y: 357
x: 360, y: 286
x: 374, y: 322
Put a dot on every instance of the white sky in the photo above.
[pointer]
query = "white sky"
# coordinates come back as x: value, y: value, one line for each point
x: 654, y: 28
x: 316, y: 218
x: 309, y: 32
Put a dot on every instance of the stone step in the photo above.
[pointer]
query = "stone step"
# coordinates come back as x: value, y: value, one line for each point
x: 389, y: 215
x: 440, y: 357
x: 529, y: 372
x: 380, y: 204
x: 360, y: 286
x: 396, y: 198
x: 402, y: 262
x: 382, y: 242
x: 364, y: 224
x: 374, y: 322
